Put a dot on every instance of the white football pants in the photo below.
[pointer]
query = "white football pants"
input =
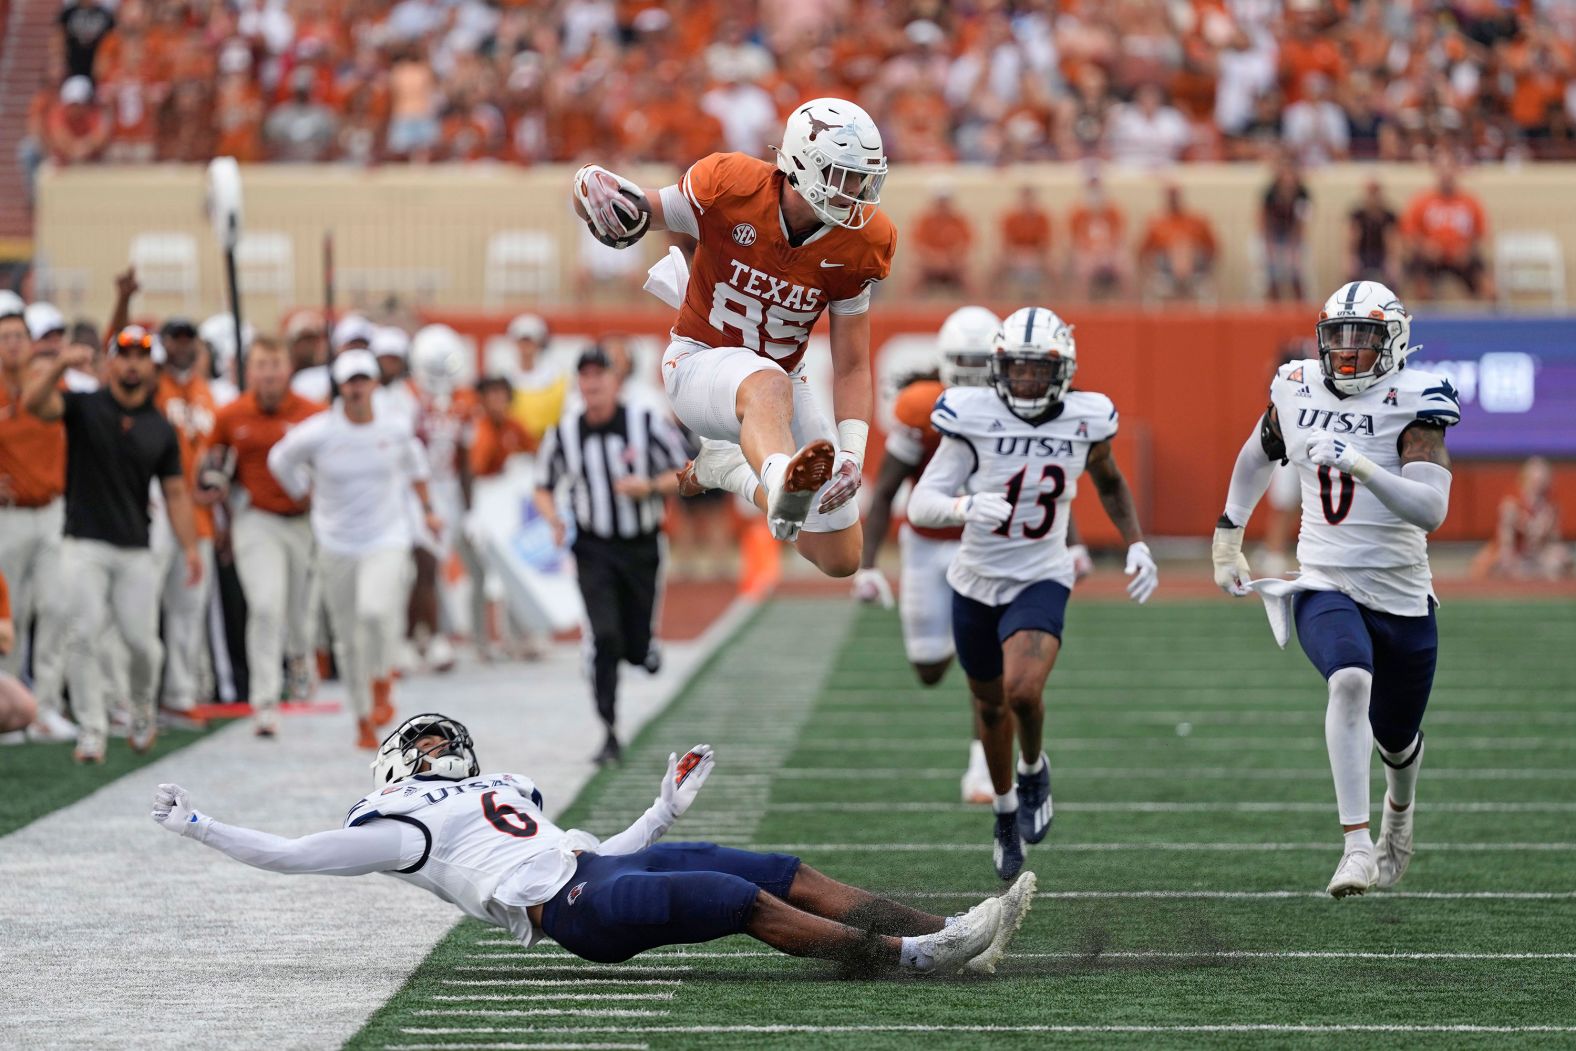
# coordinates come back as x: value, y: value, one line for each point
x: 366, y: 598
x: 925, y: 599
x: 185, y: 609
x: 30, y: 559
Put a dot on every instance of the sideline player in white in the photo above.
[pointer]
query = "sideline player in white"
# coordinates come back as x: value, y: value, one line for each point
x: 1366, y: 435
x: 777, y: 248
x: 1015, y: 451
x: 483, y: 842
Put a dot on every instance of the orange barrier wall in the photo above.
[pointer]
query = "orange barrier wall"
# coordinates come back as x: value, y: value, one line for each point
x: 1190, y: 387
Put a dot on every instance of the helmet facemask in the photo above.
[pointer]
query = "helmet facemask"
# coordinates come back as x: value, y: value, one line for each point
x: 453, y: 758
x: 1030, y: 382
x: 1342, y: 335
x: 966, y: 369
x: 843, y: 195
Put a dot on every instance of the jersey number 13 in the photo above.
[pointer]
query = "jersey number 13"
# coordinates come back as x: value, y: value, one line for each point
x: 1047, y: 499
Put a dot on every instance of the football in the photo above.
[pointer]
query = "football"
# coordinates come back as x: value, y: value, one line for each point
x: 641, y: 226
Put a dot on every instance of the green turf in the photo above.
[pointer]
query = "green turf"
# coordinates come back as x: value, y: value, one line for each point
x: 37, y: 779
x: 1499, y: 733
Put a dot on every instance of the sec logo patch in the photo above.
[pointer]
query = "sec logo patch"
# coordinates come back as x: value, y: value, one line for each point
x: 574, y: 892
x: 744, y: 234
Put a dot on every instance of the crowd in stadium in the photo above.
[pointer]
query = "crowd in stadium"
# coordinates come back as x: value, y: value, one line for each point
x: 1143, y: 83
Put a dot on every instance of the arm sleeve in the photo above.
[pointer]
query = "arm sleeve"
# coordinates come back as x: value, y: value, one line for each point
x: 1420, y: 494
x: 1250, y: 477
x: 677, y: 211
x: 647, y: 829
x: 377, y: 846
x: 933, y: 502
x: 287, y: 460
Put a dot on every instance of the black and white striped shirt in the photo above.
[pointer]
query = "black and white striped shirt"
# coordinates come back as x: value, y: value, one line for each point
x: 635, y: 442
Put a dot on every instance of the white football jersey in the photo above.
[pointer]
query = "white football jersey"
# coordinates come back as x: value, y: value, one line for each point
x: 1344, y: 526
x: 1037, y: 466
x: 490, y: 848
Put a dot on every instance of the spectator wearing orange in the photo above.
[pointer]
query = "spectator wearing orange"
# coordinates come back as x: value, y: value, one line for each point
x: 1178, y: 250
x: 498, y: 434
x: 1527, y: 543
x: 1095, y: 225
x: 942, y: 237
x: 270, y: 535
x: 1025, y: 245
x: 1305, y: 51
x: 18, y: 709
x: 1444, y: 230
x: 238, y: 108
x: 77, y: 129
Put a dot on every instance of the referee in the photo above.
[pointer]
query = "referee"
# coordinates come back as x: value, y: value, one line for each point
x: 619, y: 462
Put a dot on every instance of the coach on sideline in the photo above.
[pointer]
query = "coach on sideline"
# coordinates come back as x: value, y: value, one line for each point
x: 358, y: 467
x: 270, y: 535
x: 117, y: 442
x: 620, y: 462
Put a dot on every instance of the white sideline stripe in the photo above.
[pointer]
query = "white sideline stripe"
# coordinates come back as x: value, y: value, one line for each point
x: 554, y: 1012
x: 1197, y: 742
x: 488, y: 983
x: 532, y: 998
x: 1059, y: 847
x: 1267, y: 895
x: 1141, y: 954
x: 1178, y: 773
x: 1164, y: 808
x: 539, y: 963
x: 516, y: 1047
x: 1243, y: 1028
x: 882, y: 715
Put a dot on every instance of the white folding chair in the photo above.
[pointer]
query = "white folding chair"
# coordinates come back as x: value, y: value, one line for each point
x: 166, y: 265
x: 521, y: 263
x: 265, y: 265
x: 1529, y: 262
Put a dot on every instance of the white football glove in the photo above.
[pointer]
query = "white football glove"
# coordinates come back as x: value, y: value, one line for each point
x: 991, y: 509
x: 1231, y: 565
x: 172, y: 808
x: 683, y: 781
x: 1146, y: 575
x: 1326, y: 450
x: 870, y: 587
x: 1083, y: 564
x: 845, y: 482
x: 601, y: 193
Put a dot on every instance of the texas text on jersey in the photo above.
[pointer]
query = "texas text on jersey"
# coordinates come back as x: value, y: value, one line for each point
x: 1037, y: 465
x: 751, y: 284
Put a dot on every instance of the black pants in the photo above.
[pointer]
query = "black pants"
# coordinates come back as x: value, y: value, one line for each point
x: 618, y: 580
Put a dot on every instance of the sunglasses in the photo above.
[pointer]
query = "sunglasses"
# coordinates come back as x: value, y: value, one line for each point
x: 126, y: 342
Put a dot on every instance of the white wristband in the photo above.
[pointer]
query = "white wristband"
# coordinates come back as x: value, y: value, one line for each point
x: 852, y: 436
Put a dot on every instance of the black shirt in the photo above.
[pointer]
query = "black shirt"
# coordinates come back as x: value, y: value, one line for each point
x: 1284, y: 211
x: 112, y: 455
x: 84, y: 25
x: 1373, y: 236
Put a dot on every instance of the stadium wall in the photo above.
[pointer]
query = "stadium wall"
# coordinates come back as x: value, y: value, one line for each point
x: 422, y: 232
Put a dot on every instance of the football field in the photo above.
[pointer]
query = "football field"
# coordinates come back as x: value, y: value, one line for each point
x: 1181, y: 898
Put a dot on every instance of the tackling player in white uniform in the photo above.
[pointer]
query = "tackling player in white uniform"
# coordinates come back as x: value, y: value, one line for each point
x: 483, y: 842
x: 1366, y: 435
x: 1015, y: 451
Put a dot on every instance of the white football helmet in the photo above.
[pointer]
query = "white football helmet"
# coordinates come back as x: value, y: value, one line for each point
x: 831, y: 154
x: 1363, y: 315
x: 965, y: 343
x: 1037, y: 338
x: 399, y: 758
x: 437, y: 358
x: 219, y: 333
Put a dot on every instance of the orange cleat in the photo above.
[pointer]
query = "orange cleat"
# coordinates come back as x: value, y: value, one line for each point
x: 382, y: 702
x: 366, y: 736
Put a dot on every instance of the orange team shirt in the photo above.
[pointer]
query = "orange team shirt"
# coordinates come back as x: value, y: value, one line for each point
x: 1454, y: 223
x: 748, y: 286
x: 495, y: 443
x: 1168, y: 231
x: 32, y: 453
x: 1096, y: 228
x: 1028, y: 229
x: 189, y: 406
x: 243, y: 426
x: 913, y: 407
x: 5, y: 599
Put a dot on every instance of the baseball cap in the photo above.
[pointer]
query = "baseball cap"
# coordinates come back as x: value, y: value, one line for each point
x: 352, y: 363
x: 176, y: 328
x: 42, y: 319
x: 11, y: 304
x: 136, y: 336
x: 390, y: 341
x: 593, y: 356
x: 528, y: 326
x: 78, y: 90
x: 352, y: 328
x: 305, y: 322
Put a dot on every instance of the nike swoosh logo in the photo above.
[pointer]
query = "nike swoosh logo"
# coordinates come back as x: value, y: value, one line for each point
x: 827, y: 266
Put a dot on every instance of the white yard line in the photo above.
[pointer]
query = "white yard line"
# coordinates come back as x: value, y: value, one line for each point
x: 1210, y: 742
x: 1069, y: 1029
x: 533, y: 998
x: 99, y: 898
x: 538, y: 983
x: 1161, y: 808
x: 1145, y: 954
x: 1257, y: 895
x: 1169, y: 774
x: 1065, y: 847
x: 516, y: 1047
x: 524, y: 960
x: 538, y: 1012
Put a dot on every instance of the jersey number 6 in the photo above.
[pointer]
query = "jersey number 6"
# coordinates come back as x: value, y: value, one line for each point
x: 506, y: 818
x: 1050, y: 472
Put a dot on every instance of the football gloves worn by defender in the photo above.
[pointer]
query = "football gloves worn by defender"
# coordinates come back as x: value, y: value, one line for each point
x: 1326, y: 450
x: 615, y: 207
x: 1083, y: 563
x: 989, y: 509
x: 1146, y: 575
x: 683, y: 781
x: 1231, y: 565
x: 172, y: 808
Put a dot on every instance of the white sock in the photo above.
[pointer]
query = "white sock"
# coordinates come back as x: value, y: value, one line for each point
x: 1400, y: 773
x: 1358, y: 839
x: 915, y: 955
x: 741, y: 481
x: 1007, y: 802
x: 1025, y: 769
x: 1350, y: 742
x: 772, y: 471
x: 976, y: 756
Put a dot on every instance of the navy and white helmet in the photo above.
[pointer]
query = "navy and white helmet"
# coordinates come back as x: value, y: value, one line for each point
x: 399, y: 758
x: 832, y: 154
x: 965, y: 343
x: 1037, y: 338
x: 1363, y: 315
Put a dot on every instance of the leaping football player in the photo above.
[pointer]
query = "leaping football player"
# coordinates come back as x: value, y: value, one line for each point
x: 1007, y: 470
x: 1366, y: 436
x: 925, y: 606
x: 778, y: 246
x: 483, y: 842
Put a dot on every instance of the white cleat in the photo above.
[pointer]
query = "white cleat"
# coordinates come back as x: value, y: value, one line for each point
x: 51, y: 726
x: 788, y: 505
x: 711, y: 468
x: 1357, y: 874
x: 949, y: 950
x: 1015, y: 905
x: 1394, y: 848
x: 440, y: 654
x: 976, y: 779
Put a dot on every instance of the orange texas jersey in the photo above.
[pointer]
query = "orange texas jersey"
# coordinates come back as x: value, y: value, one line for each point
x: 912, y: 410
x: 749, y: 287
